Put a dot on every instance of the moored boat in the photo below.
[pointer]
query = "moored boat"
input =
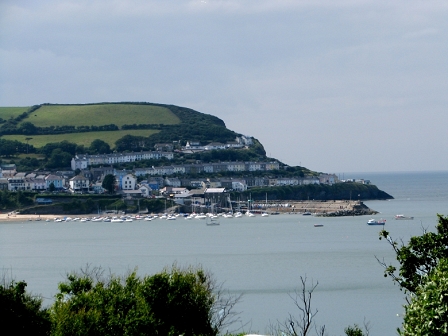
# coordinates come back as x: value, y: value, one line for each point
x: 376, y: 221
x: 403, y: 217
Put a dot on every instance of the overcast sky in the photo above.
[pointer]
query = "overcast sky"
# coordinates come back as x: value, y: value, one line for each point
x: 335, y: 86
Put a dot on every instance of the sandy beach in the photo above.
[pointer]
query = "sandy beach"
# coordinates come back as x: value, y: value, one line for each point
x: 13, y: 217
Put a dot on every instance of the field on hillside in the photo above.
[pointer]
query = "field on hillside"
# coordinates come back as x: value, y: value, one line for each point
x: 101, y: 114
x: 85, y: 138
x: 8, y: 112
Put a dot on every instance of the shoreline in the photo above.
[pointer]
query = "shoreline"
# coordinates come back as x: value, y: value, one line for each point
x: 12, y: 217
x: 317, y: 208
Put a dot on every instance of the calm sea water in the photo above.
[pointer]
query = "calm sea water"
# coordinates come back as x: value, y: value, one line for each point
x: 263, y: 258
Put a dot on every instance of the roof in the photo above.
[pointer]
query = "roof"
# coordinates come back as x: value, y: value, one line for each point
x: 214, y: 190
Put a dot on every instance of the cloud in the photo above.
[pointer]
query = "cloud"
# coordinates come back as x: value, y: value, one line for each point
x: 320, y: 74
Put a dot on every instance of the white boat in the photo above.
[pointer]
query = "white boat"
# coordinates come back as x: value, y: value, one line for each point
x: 376, y: 221
x: 201, y: 216
x: 403, y: 217
x: 264, y: 214
x: 116, y: 220
x: 249, y: 214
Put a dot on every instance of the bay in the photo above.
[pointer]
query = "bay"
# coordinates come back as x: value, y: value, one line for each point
x: 263, y: 258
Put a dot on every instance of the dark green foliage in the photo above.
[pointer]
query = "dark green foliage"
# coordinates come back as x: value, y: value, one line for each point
x: 109, y: 182
x: 323, y: 192
x: 20, y: 312
x: 427, y: 311
x: 28, y: 164
x: 11, y: 147
x: 173, y: 302
x: 419, y: 257
x: 64, y: 146
x: 194, y: 126
x: 353, y: 331
x: 27, y: 128
x: 130, y: 143
x: 99, y: 147
x: 59, y: 159
x: 15, y: 199
x: 79, y: 207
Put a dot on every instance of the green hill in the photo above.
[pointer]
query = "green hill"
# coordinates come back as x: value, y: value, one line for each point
x: 81, y: 124
x: 101, y: 114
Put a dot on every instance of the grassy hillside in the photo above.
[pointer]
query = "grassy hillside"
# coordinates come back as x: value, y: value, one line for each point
x: 101, y: 114
x: 11, y: 112
x: 148, y: 123
x: 84, y: 138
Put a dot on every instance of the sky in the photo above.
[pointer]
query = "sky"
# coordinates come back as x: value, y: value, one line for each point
x: 334, y: 86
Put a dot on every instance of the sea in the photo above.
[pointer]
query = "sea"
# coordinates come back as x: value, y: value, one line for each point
x: 262, y: 258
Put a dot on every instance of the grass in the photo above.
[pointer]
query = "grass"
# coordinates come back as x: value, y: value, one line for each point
x: 85, y: 138
x: 101, y: 114
x: 8, y: 112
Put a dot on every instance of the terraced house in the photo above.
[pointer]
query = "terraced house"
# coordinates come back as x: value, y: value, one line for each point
x: 84, y: 161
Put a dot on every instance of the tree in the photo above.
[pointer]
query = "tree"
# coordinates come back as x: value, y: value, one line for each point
x: 51, y: 187
x: 423, y: 273
x: 356, y: 330
x: 59, y: 159
x: 419, y: 257
x: 174, y: 302
x: 20, y: 312
x: 64, y: 146
x: 427, y: 311
x: 304, y: 324
x: 99, y: 147
x: 109, y: 183
x: 28, y: 128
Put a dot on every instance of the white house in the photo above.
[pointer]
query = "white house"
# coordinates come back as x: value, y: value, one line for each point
x: 145, y: 190
x: 79, y: 183
x: 127, y: 182
x: 328, y: 178
x: 16, y: 183
x: 239, y: 185
x: 215, y: 146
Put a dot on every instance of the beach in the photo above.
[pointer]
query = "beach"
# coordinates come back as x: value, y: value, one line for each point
x: 15, y: 217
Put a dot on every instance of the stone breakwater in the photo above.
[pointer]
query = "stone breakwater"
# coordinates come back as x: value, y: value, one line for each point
x: 323, y: 208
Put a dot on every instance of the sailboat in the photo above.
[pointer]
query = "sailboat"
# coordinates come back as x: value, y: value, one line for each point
x: 265, y: 214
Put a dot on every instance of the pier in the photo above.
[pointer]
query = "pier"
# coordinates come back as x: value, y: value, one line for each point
x: 319, y: 208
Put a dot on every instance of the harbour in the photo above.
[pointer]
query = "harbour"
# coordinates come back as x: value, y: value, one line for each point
x: 260, y: 257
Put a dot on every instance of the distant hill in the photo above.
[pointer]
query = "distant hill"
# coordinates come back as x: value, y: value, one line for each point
x: 83, y: 123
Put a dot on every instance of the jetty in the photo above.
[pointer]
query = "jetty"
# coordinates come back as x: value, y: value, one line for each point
x: 319, y: 208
